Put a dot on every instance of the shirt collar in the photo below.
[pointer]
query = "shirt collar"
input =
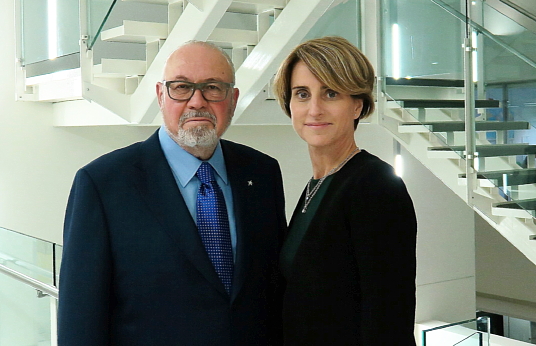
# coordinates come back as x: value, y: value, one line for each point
x: 183, y: 164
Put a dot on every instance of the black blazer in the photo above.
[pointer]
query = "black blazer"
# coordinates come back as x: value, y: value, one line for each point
x: 352, y: 280
x: 134, y: 270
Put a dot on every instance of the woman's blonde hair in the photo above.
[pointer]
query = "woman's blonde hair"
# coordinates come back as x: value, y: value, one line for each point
x: 336, y: 63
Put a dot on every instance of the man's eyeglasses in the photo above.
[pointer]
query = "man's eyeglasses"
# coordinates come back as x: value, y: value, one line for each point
x: 211, y: 91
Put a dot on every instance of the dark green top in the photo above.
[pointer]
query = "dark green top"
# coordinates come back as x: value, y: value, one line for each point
x: 300, y: 224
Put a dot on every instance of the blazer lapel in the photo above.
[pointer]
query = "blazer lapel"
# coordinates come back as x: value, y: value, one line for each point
x: 240, y: 176
x: 157, y: 185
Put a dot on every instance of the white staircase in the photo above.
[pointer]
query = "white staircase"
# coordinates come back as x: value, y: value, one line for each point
x: 438, y: 126
x: 257, y: 34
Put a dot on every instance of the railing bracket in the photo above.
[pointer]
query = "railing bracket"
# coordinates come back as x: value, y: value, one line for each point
x: 41, y: 294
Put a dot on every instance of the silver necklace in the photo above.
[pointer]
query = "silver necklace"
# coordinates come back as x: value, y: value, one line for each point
x: 309, y: 194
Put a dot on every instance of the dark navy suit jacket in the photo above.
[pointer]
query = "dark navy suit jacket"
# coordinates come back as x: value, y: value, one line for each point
x: 134, y: 270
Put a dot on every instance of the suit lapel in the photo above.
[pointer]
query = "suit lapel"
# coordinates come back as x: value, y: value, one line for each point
x: 158, y: 187
x: 240, y: 175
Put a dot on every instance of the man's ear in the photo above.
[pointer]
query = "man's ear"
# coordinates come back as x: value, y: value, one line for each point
x: 235, y: 95
x: 160, y: 93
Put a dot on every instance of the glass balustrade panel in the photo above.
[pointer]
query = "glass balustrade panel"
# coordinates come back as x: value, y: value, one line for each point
x: 422, y: 68
x: 504, y: 78
x: 508, y: 73
x: 68, y: 27
x: 98, y: 12
x: 34, y: 27
x: 58, y: 252
x: 49, y: 29
x: 341, y: 20
x: 27, y: 255
x: 106, y: 14
x: 25, y: 319
x: 467, y: 333
x: 508, y: 30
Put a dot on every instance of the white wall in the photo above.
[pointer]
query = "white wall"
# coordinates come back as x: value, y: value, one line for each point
x: 38, y: 161
x: 505, y: 279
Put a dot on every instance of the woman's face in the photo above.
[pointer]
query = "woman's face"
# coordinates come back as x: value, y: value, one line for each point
x: 322, y: 117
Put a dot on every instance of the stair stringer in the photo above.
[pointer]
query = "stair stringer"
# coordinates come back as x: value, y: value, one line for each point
x: 200, y: 23
x: 141, y: 107
x: 517, y: 231
x: 287, y: 31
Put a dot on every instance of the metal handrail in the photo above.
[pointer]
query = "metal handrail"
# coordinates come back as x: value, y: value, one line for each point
x: 485, y: 32
x: 38, y: 285
x: 516, y: 8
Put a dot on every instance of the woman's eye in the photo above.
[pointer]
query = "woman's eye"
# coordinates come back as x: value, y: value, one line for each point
x: 302, y: 94
x: 331, y: 94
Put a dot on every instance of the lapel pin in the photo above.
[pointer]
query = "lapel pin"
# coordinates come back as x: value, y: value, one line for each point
x: 250, y: 182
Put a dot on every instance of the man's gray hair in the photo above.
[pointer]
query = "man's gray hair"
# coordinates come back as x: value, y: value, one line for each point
x: 208, y: 45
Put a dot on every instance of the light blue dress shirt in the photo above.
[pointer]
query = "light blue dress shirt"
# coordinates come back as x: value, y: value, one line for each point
x: 184, y: 167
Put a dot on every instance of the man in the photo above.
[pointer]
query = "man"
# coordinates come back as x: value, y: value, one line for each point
x: 139, y: 266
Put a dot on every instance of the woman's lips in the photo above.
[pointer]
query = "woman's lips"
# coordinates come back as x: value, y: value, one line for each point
x: 317, y: 125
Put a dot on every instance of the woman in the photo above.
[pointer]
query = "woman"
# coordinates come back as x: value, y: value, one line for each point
x: 349, y: 258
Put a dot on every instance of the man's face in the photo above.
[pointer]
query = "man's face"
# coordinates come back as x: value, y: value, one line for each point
x: 197, y: 63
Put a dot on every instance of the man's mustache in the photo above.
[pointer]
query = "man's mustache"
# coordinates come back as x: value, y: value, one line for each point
x: 197, y: 114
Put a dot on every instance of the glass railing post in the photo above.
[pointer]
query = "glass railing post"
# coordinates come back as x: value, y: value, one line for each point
x: 380, y: 63
x: 484, y: 326
x: 53, y: 321
x: 470, y: 133
x: 477, y: 15
x: 86, y: 54
x: 20, y: 77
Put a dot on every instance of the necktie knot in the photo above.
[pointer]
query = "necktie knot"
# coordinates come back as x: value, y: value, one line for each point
x: 205, y: 173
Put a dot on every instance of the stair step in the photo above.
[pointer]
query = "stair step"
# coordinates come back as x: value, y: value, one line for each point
x: 136, y: 32
x: 428, y: 82
x: 233, y: 38
x: 255, y: 6
x: 118, y: 68
x: 487, y: 150
x: 124, y: 85
x: 452, y: 126
x: 511, y: 176
x: 522, y: 208
x: 239, y: 6
x: 158, y: 2
x: 446, y: 103
x: 271, y: 3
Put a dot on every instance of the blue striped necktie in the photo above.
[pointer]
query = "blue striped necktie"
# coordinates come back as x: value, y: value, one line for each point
x: 213, y: 225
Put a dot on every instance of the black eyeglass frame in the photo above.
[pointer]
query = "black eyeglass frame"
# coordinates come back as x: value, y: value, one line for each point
x: 197, y: 86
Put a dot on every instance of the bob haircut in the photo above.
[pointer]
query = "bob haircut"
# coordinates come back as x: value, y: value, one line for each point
x: 335, y: 62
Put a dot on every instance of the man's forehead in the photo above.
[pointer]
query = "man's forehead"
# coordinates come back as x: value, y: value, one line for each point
x: 198, y: 61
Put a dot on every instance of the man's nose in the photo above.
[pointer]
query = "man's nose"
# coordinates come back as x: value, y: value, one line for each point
x: 197, y: 100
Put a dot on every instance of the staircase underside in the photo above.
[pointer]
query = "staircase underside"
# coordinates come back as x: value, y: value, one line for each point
x: 125, y: 90
x: 514, y: 220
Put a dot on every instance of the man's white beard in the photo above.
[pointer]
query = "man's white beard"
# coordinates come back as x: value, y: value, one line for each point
x: 199, y: 136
